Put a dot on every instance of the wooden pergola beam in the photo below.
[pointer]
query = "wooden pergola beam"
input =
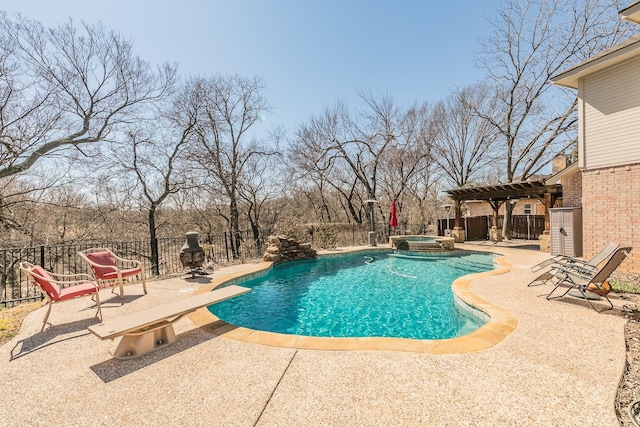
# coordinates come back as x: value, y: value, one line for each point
x: 504, y: 192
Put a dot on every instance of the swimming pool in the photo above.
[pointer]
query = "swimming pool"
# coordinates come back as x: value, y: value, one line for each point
x: 363, y: 294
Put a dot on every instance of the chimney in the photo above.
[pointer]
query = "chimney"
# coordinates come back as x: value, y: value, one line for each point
x: 558, y: 163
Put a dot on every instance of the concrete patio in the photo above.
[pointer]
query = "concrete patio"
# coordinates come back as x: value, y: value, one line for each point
x: 561, y: 366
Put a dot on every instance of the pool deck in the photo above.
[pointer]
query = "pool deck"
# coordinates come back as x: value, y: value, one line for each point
x: 560, y: 365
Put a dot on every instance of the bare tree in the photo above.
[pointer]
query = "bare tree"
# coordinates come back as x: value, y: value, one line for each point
x: 29, y: 204
x: 463, y: 140
x: 410, y: 156
x: 261, y: 189
x: 313, y: 162
x: 65, y: 86
x: 229, y: 108
x: 356, y: 153
x: 153, y: 154
x: 532, y: 41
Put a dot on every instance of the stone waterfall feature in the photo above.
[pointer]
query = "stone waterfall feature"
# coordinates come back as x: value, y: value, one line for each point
x: 282, y: 249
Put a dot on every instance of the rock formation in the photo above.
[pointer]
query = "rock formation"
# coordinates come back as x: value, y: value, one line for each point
x: 283, y: 249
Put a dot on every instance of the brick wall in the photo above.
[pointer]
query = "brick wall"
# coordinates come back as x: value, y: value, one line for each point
x: 572, y: 191
x: 611, y: 211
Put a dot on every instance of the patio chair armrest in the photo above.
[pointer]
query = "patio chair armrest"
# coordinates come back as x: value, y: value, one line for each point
x: 54, y: 278
x: 79, y: 277
x: 584, y: 268
x: 124, y: 260
x: 75, y: 282
x: 558, y: 259
x: 573, y: 261
x: 574, y: 272
x: 546, y: 263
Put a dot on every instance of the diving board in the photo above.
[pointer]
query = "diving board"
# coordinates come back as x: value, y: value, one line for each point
x: 148, y: 330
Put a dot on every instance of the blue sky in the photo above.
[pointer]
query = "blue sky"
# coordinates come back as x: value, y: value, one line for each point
x: 309, y: 53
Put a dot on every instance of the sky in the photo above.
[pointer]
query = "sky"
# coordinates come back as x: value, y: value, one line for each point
x: 309, y: 53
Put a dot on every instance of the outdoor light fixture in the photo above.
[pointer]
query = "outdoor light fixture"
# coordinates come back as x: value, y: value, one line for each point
x: 372, y: 224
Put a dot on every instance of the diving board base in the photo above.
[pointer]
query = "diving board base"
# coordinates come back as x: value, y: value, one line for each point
x: 138, y: 344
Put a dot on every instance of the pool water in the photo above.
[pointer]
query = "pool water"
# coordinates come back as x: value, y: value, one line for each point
x: 370, y: 294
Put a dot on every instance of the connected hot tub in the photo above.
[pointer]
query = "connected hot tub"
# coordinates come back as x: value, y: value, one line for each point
x: 422, y: 243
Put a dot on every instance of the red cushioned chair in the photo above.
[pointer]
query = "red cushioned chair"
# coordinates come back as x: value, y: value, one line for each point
x: 107, y: 267
x: 61, y: 287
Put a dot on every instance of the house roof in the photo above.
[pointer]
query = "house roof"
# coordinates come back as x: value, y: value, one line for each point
x: 631, y: 13
x: 557, y: 177
x: 614, y: 55
x: 502, y: 192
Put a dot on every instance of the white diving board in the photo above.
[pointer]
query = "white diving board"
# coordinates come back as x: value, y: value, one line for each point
x: 148, y: 330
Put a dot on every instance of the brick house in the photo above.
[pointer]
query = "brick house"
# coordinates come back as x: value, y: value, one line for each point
x: 605, y: 181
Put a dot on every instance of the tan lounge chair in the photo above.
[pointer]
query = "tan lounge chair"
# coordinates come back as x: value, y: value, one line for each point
x: 584, y: 267
x: 107, y: 267
x: 61, y: 287
x: 589, y: 286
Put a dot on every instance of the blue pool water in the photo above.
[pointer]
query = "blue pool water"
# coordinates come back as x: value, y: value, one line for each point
x: 370, y: 294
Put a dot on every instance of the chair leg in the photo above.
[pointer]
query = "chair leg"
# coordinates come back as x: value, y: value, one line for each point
x: 610, y: 303
x: 46, y: 316
x: 554, y: 289
x: 121, y: 285
x: 144, y: 281
x: 560, y: 283
x: 97, y: 300
x: 583, y: 291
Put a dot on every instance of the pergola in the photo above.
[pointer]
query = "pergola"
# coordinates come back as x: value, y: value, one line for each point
x: 496, y: 195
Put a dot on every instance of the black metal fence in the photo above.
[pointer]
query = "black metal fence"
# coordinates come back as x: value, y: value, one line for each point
x: 219, y: 249
x: 63, y: 259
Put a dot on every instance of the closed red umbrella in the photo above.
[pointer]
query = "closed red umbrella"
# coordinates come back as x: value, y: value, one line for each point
x: 394, y: 217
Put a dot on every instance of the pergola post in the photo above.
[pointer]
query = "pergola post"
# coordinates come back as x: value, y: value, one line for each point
x: 495, y: 233
x: 545, y: 237
x: 548, y: 204
x: 458, y: 230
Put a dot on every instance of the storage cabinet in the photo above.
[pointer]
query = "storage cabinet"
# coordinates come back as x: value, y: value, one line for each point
x: 566, y: 231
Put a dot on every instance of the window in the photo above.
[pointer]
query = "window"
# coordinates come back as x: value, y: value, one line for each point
x: 527, y: 208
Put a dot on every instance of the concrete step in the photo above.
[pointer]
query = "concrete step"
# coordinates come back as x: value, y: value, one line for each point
x: 424, y: 246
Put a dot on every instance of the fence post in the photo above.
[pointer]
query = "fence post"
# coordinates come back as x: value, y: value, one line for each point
x: 353, y: 234
x: 42, y: 256
x: 226, y: 246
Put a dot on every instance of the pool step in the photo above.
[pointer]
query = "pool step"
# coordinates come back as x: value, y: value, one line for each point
x: 424, y: 246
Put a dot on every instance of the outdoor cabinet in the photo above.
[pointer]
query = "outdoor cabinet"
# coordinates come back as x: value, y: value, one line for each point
x: 566, y: 231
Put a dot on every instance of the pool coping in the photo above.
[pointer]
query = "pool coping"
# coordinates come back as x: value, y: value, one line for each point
x: 501, y: 322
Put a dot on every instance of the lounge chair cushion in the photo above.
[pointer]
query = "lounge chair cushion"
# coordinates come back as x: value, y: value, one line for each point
x: 77, y: 291
x: 103, y: 258
x: 601, y: 289
x: 46, y: 283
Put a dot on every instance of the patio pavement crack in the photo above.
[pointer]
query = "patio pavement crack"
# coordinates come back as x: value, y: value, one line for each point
x: 275, y: 388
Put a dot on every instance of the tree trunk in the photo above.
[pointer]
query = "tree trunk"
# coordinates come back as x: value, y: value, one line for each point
x: 506, y: 222
x: 234, y: 220
x: 155, y: 262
